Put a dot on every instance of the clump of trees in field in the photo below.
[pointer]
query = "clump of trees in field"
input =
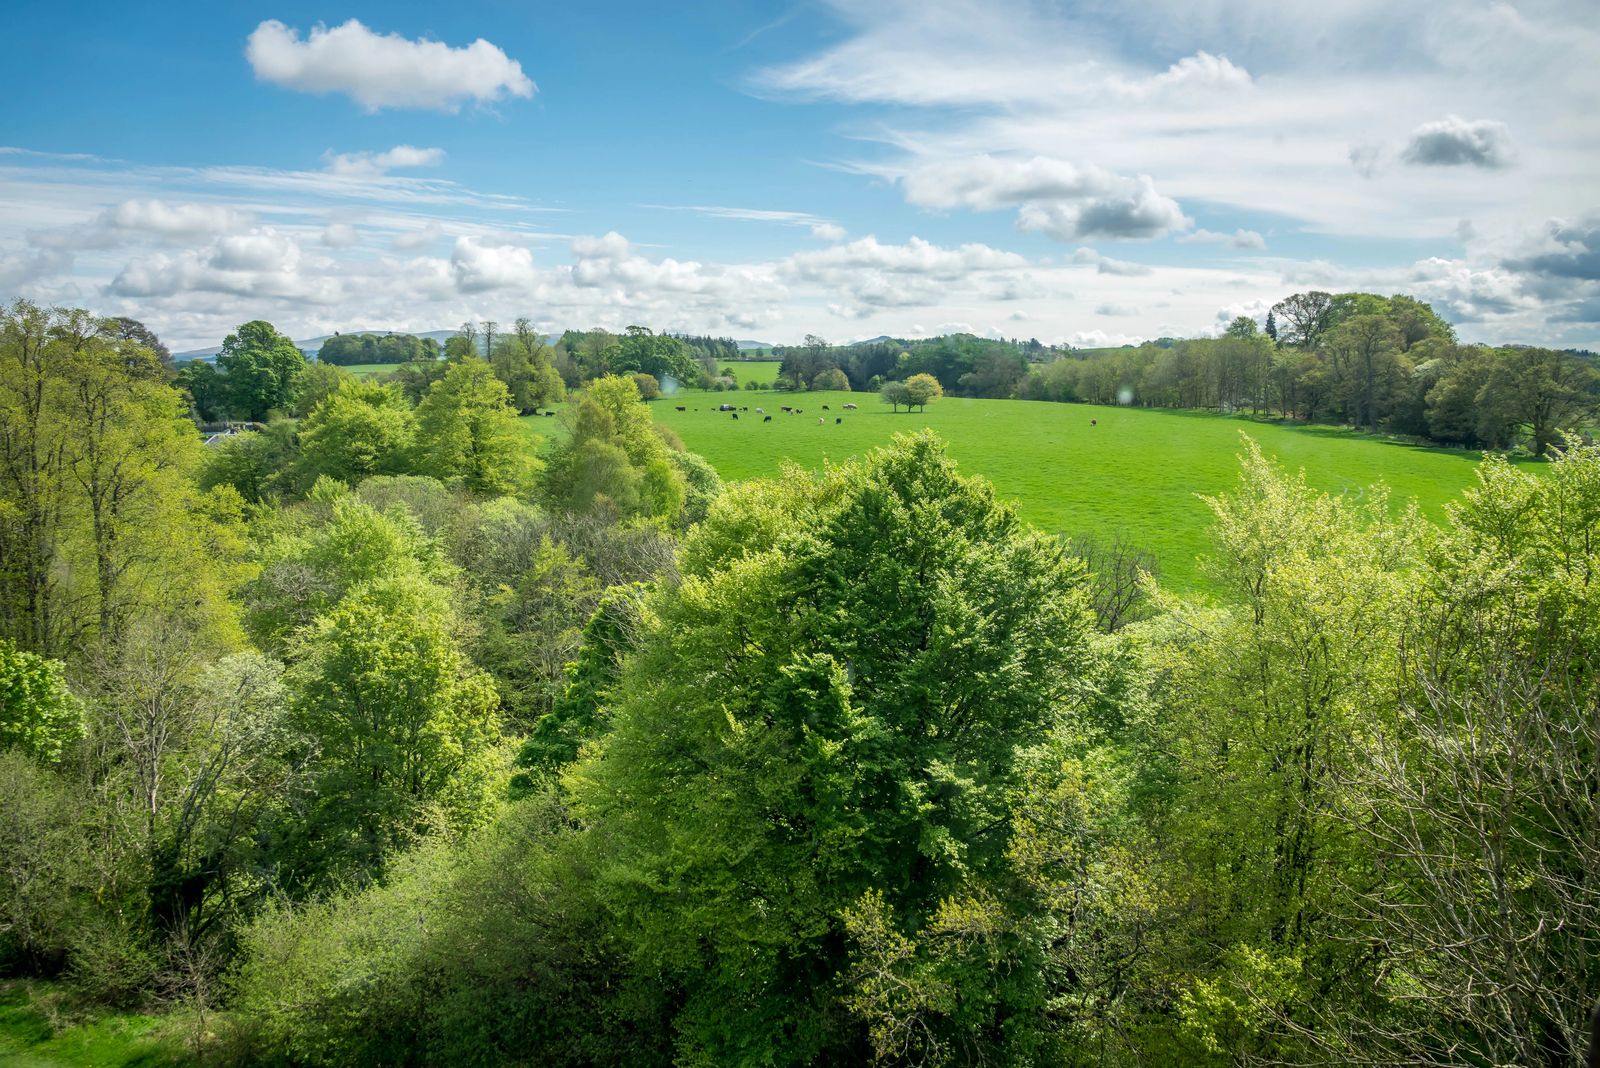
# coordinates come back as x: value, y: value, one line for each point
x: 347, y: 349
x: 379, y: 743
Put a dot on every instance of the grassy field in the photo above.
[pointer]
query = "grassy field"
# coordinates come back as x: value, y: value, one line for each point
x: 762, y: 371
x: 1138, y: 472
x: 36, y: 1031
x: 368, y: 370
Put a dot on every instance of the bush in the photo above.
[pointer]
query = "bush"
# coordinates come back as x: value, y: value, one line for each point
x: 649, y: 387
x: 832, y: 379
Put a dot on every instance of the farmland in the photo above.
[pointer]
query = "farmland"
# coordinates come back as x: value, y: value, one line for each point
x: 1071, y: 468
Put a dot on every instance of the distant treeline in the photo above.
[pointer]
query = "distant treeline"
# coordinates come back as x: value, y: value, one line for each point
x: 1357, y: 359
x: 346, y: 349
x: 711, y: 348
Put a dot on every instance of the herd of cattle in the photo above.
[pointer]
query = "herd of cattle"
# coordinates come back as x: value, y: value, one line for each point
x: 787, y: 409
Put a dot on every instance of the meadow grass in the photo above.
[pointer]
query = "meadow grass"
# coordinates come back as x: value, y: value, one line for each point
x: 370, y: 370
x: 1072, y: 468
x: 34, y: 1033
x: 762, y: 371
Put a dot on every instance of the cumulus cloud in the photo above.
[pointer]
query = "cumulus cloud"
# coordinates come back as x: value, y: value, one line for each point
x: 478, y: 267
x: 1052, y: 196
x: 1455, y: 142
x: 133, y: 221
x: 260, y: 263
x: 1115, y: 310
x: 1565, y: 250
x: 1245, y: 239
x: 371, y: 164
x: 384, y: 70
x: 827, y: 231
x: 1199, y: 72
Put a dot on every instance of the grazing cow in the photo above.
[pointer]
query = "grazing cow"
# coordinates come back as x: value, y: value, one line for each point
x: 761, y: 411
x: 746, y: 408
x: 824, y: 407
x: 766, y: 419
x: 680, y: 408
x: 799, y: 411
x: 1094, y: 422
x: 549, y: 415
x: 736, y: 415
x: 820, y: 420
x: 849, y: 407
x: 787, y: 408
x: 838, y: 419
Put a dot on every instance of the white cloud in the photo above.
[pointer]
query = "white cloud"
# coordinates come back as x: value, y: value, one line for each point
x: 133, y: 221
x: 340, y: 235
x: 1115, y: 310
x: 1245, y: 239
x: 384, y: 70
x: 915, y: 257
x: 419, y: 238
x: 1201, y: 72
x: 367, y: 164
x: 826, y: 231
x: 1106, y: 265
x: 1455, y: 142
x: 1053, y: 196
x: 481, y: 268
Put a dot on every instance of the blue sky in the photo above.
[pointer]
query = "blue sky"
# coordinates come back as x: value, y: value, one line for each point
x: 1089, y: 172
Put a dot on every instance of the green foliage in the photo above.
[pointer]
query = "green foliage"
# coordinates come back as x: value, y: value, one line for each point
x: 305, y: 573
x: 922, y: 388
x: 831, y: 379
x: 614, y: 458
x: 39, y: 716
x: 361, y: 430
x: 261, y: 370
x: 466, y: 431
x: 256, y: 464
x: 346, y: 349
x: 399, y: 721
x: 832, y: 700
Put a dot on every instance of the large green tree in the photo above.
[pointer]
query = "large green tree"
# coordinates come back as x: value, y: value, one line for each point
x: 262, y: 368
x: 467, y: 431
x: 827, y: 713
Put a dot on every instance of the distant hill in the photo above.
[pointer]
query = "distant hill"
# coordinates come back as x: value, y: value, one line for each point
x: 753, y: 344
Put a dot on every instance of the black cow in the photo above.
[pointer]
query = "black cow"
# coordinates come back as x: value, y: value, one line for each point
x: 549, y: 415
x: 838, y: 419
x: 787, y: 408
x: 736, y: 415
x: 824, y: 407
x: 766, y: 419
x: 680, y: 408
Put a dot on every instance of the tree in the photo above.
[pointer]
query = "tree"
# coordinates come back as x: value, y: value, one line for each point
x: 827, y: 713
x: 1480, y: 804
x: 38, y: 714
x: 649, y: 388
x: 261, y: 368
x: 1271, y: 329
x: 399, y: 719
x: 615, y: 457
x: 319, y: 382
x: 467, y: 431
x: 1544, y: 391
x: 922, y: 388
x: 122, y: 328
x: 206, y: 388
x: 1368, y: 344
x: 894, y: 394
x: 831, y: 379
x: 1302, y: 319
x: 363, y: 429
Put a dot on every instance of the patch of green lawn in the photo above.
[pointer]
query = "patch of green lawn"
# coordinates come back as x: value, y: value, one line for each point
x: 1071, y: 468
x: 35, y: 1034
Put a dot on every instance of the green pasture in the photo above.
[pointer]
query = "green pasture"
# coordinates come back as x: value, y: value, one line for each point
x: 762, y: 371
x: 370, y: 370
x: 1071, y: 468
